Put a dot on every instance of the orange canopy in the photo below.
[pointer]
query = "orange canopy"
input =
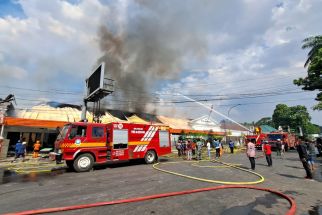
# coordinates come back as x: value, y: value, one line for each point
x: 12, y: 121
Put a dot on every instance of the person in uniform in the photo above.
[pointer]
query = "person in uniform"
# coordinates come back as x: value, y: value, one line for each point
x: 36, y: 149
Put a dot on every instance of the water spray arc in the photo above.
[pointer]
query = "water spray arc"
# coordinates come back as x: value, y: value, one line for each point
x: 211, y: 109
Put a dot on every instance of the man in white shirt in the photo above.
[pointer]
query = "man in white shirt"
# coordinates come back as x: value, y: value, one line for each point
x: 208, y: 149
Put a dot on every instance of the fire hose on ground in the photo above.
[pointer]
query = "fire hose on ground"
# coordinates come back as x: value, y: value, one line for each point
x: 236, y: 185
x: 291, y: 210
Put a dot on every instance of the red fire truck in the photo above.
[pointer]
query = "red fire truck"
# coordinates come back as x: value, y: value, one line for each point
x: 82, y: 144
x: 258, y: 138
x: 289, y: 139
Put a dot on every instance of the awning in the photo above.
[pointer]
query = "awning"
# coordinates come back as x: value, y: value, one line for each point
x: 12, y: 121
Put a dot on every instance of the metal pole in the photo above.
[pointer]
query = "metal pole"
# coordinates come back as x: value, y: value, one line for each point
x: 2, y: 128
x: 2, y: 113
x: 84, y: 110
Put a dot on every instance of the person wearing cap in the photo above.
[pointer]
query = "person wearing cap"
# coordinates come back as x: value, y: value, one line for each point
x: 20, y: 151
x: 278, y: 147
x: 268, y: 152
x: 36, y: 149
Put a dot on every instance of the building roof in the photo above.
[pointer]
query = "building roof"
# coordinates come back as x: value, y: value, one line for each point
x: 231, y: 126
x: 267, y: 129
x: 204, y: 120
x: 175, y: 123
x: 135, y: 119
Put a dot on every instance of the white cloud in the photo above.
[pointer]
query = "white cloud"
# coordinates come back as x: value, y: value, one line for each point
x: 252, y: 47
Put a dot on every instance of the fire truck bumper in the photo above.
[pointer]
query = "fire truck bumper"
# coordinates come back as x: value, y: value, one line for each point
x: 56, y: 156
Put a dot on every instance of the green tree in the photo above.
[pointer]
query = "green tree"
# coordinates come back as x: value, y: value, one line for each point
x: 313, y: 81
x: 265, y: 121
x: 292, y: 116
x: 313, y: 129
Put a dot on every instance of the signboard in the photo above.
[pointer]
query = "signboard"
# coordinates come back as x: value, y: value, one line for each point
x: 95, y: 80
x: 97, y: 85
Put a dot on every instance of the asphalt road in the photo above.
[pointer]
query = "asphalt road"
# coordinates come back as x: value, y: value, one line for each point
x: 21, y: 192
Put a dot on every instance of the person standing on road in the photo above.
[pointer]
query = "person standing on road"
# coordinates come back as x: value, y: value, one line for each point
x: 251, y: 153
x: 311, y: 156
x: 193, y: 147
x: 178, y: 147
x: 208, y: 149
x: 268, y: 152
x: 278, y: 147
x: 189, y: 150
x: 217, y: 147
x: 283, y: 148
x: 199, y: 149
x: 36, y: 149
x: 302, y: 151
x: 231, y: 146
x: 24, y: 143
x: 20, y: 151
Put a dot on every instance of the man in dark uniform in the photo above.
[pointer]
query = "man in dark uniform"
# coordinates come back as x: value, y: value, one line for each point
x: 302, y: 151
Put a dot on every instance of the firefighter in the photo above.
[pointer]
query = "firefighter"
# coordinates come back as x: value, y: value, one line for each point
x: 36, y: 149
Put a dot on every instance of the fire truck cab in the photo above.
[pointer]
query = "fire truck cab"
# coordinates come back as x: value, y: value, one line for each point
x: 83, y: 144
x: 288, y: 139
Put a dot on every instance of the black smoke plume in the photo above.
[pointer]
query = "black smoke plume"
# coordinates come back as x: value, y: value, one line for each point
x: 148, y: 47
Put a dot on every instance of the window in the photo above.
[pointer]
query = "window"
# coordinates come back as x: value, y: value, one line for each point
x: 97, y: 132
x: 120, y: 139
x: 63, y: 132
x: 77, y: 131
x: 164, y: 138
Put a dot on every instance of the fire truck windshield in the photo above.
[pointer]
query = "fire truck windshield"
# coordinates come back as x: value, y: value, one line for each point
x: 63, y: 132
x: 274, y: 137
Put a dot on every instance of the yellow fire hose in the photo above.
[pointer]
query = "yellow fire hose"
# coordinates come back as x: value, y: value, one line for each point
x: 260, y: 180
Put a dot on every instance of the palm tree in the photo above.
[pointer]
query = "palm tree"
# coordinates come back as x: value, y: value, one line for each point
x: 314, y: 43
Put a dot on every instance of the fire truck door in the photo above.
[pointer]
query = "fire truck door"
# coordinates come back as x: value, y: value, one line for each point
x: 77, y: 135
x: 120, y: 144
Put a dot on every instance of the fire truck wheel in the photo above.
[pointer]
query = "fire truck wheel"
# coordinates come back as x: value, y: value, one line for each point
x: 150, y: 157
x: 83, y: 163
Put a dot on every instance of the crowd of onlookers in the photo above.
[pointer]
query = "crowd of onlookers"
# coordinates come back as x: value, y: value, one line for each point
x: 307, y: 150
x: 192, y: 148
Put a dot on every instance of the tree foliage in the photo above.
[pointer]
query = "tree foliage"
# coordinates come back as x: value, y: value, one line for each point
x: 294, y: 117
x: 313, y: 129
x: 313, y: 81
x: 265, y: 121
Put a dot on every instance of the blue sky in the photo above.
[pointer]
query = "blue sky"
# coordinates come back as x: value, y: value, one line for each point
x: 10, y: 8
x: 212, y: 50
